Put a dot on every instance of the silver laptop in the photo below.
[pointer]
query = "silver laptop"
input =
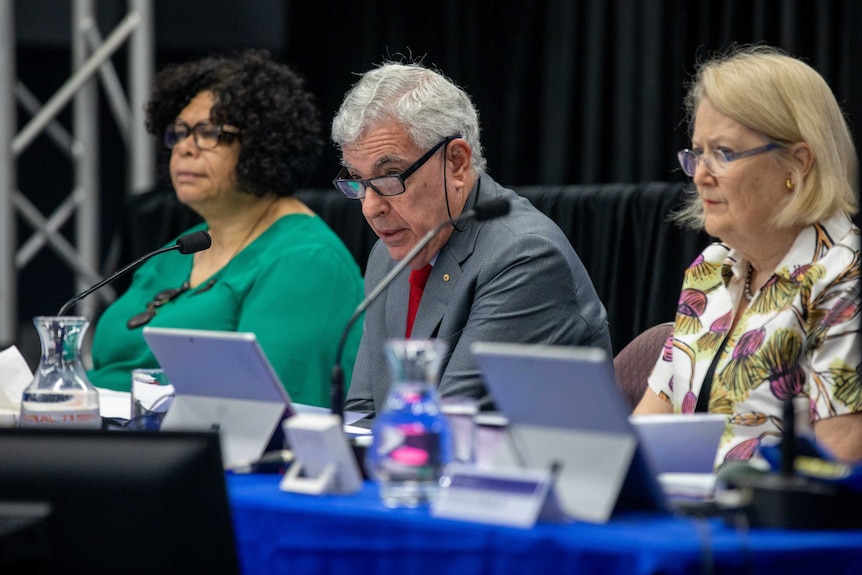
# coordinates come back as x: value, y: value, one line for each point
x: 680, y: 443
x: 565, y: 412
x: 223, y: 382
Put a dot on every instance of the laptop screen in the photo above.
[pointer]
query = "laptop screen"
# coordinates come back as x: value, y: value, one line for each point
x: 565, y: 410
x: 223, y: 382
x: 224, y: 364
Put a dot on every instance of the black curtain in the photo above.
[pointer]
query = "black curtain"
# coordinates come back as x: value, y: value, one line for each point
x: 634, y: 256
x: 568, y: 91
x: 579, y: 92
x: 571, y: 92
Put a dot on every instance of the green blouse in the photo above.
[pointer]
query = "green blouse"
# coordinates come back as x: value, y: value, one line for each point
x: 295, y: 287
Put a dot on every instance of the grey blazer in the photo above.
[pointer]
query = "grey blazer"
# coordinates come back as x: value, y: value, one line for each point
x: 511, y: 279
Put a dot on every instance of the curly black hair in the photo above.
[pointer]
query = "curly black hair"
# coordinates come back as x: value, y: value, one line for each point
x: 280, y: 122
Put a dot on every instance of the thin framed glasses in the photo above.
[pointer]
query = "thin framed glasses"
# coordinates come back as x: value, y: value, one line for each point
x: 160, y: 299
x: 716, y: 160
x: 388, y: 185
x: 206, y: 134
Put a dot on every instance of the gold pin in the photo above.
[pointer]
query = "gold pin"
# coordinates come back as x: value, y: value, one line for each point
x: 445, y: 277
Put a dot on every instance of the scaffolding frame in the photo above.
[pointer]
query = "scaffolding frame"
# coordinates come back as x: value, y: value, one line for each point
x: 91, y: 63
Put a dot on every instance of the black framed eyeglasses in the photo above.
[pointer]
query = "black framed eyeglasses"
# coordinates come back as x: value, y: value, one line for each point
x: 206, y: 134
x: 716, y: 160
x: 389, y: 185
x: 160, y: 299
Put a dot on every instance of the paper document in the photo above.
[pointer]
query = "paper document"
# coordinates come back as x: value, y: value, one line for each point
x: 350, y: 417
x: 16, y: 376
x: 688, y: 485
x: 114, y: 404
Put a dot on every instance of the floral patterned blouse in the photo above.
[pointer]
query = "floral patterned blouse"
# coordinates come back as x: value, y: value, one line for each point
x: 800, y: 337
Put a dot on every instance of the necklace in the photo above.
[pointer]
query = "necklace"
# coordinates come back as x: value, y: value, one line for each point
x: 747, y: 293
x: 252, y: 229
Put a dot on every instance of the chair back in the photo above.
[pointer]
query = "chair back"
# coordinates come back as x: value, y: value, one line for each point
x: 634, y: 363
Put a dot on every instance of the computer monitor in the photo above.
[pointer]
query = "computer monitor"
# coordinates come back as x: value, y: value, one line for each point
x: 124, y: 502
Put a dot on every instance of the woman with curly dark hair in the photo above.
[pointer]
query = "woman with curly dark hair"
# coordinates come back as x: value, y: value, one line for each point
x: 244, y: 134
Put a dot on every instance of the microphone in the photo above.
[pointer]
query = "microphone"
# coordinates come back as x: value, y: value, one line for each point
x: 480, y: 212
x: 187, y: 244
x: 788, y: 438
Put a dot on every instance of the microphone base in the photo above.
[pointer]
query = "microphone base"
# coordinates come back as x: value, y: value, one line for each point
x: 796, y: 502
x: 359, y: 445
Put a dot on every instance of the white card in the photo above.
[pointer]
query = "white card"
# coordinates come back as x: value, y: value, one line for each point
x: 501, y: 496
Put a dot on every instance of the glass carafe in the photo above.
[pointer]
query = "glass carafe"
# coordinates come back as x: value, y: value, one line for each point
x: 412, y: 441
x: 60, y: 394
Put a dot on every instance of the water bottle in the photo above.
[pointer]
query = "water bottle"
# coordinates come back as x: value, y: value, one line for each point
x: 411, y: 437
x: 60, y: 394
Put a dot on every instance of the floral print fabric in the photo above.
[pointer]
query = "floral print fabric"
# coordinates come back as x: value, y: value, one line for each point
x: 800, y: 337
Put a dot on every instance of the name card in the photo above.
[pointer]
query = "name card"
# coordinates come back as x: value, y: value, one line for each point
x: 500, y: 496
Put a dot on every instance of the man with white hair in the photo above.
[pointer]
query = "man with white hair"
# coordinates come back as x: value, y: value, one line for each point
x: 409, y: 143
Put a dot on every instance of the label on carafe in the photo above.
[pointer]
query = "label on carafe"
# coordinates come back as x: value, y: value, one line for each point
x: 66, y: 418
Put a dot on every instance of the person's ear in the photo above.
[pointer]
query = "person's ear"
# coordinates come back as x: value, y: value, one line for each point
x: 459, y: 156
x: 804, y: 157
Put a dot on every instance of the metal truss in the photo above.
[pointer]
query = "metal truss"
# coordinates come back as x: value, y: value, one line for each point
x: 91, y: 67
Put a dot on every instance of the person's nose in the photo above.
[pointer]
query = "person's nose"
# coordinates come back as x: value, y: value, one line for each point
x: 186, y: 146
x: 702, y: 174
x: 373, y: 204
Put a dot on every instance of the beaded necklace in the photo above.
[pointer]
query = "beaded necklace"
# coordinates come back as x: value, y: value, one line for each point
x: 747, y: 293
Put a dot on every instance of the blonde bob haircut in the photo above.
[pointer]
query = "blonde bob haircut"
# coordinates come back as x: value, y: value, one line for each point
x: 788, y: 102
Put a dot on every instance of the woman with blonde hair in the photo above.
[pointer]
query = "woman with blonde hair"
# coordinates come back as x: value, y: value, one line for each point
x: 769, y: 314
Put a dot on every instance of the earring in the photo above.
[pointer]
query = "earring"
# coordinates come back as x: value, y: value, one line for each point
x: 788, y: 183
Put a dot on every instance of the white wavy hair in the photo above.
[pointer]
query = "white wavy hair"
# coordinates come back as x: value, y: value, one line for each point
x: 426, y: 103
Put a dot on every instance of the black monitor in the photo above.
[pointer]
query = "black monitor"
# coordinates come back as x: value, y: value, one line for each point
x: 123, y: 502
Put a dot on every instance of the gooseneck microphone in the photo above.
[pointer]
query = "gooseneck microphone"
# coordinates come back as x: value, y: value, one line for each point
x: 187, y: 244
x: 480, y: 212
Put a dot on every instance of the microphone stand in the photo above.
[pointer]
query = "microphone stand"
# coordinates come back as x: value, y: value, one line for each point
x: 120, y: 272
x: 787, y: 500
x: 337, y: 388
x: 337, y: 379
x: 187, y: 244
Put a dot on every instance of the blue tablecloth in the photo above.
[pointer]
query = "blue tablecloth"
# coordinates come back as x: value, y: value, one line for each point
x: 279, y: 532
